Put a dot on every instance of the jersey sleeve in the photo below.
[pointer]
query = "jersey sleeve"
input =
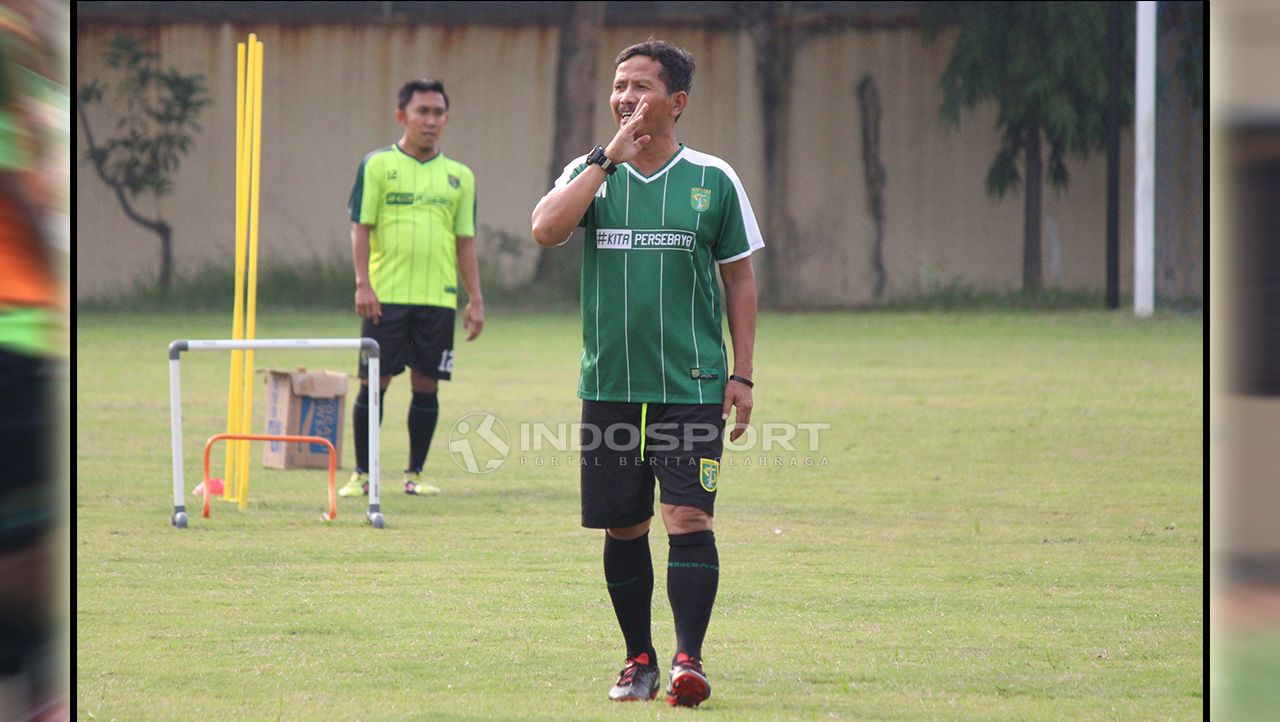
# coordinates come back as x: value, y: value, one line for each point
x: 739, y: 233
x: 571, y: 171
x: 363, y: 206
x: 464, y: 215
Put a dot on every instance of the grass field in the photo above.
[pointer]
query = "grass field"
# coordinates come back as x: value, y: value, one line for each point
x: 1002, y: 521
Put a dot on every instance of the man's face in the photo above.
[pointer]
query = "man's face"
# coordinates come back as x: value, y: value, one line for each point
x: 639, y: 78
x: 424, y: 118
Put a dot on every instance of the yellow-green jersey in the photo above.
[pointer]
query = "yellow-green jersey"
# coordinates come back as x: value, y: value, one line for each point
x: 417, y: 210
x: 651, y: 307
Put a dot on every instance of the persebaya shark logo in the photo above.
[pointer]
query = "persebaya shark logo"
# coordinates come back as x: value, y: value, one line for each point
x: 700, y: 199
x: 454, y: 182
x: 708, y: 473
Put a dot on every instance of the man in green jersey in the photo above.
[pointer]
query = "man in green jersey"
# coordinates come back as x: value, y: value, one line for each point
x: 660, y: 218
x: 413, y: 227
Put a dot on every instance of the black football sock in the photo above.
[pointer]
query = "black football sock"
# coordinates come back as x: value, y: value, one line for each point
x: 424, y: 411
x: 628, y: 570
x: 360, y: 422
x: 693, y: 573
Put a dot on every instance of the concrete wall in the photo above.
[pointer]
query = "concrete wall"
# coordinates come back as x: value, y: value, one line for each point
x: 941, y: 223
x: 330, y: 99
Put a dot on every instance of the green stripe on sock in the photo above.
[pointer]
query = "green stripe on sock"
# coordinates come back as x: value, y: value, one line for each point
x: 693, y: 565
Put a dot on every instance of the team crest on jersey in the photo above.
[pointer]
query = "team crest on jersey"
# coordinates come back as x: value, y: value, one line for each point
x: 392, y: 175
x: 454, y: 181
x: 700, y: 199
x: 708, y: 473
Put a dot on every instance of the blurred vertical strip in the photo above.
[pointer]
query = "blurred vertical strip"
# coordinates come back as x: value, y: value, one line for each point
x: 34, y: 158
x: 1255, y: 149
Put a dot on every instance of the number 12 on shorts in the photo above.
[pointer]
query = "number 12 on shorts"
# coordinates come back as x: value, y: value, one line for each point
x: 446, y: 361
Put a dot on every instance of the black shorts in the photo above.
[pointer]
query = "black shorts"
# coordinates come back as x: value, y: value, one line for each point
x: 682, y: 447
x: 420, y: 336
x: 28, y: 495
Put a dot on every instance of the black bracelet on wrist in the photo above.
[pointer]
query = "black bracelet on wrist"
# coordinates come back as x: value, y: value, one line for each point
x: 742, y: 380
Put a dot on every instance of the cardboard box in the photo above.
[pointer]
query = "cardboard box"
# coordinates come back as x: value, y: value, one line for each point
x: 304, y: 403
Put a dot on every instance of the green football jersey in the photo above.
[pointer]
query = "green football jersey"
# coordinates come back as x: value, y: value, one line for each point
x: 417, y: 210
x: 651, y: 308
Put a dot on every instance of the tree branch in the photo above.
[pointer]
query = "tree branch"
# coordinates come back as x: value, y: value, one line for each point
x: 99, y: 164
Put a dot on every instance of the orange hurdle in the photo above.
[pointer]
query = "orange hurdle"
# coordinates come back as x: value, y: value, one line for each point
x: 333, y: 461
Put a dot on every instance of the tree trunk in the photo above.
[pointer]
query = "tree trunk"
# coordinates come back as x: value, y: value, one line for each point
x: 1031, y: 282
x: 165, y: 282
x: 869, y: 103
x: 156, y: 225
x: 770, y: 25
x: 576, y: 92
x: 1113, y: 155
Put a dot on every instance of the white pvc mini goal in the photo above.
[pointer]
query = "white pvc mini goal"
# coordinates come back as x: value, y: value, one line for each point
x: 368, y: 345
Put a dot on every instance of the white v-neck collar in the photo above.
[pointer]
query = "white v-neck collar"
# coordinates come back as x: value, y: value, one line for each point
x: 640, y: 177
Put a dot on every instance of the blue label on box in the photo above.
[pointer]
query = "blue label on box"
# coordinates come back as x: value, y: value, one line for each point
x: 275, y: 428
x: 320, y: 418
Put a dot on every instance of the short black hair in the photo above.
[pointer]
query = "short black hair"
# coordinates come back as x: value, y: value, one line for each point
x: 677, y: 63
x: 421, y: 86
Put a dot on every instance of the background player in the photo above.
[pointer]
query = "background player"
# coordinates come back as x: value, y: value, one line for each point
x: 413, y: 220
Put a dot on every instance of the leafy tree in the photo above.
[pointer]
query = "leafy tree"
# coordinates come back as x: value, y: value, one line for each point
x: 1044, y: 66
x: 155, y: 129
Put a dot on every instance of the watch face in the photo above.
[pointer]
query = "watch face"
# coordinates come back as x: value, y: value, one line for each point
x: 597, y: 157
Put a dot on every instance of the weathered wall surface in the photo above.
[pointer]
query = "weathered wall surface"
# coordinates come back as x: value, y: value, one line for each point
x: 329, y: 99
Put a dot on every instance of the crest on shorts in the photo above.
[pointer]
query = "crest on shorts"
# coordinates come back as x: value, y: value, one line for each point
x: 708, y: 473
x: 700, y: 199
x: 454, y: 182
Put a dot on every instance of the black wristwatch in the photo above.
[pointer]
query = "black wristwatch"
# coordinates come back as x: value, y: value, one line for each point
x: 597, y: 157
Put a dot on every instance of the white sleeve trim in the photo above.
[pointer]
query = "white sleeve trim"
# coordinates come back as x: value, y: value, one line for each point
x: 563, y: 180
x: 740, y: 256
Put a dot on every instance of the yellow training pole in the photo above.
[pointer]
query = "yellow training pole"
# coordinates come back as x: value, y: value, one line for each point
x: 246, y: 196
x: 241, y: 456
x: 252, y: 302
x: 235, y: 395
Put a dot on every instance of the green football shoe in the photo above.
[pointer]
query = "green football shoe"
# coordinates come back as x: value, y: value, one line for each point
x: 414, y: 485
x: 357, y: 486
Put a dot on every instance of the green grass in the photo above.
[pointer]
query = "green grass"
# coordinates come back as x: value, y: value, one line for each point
x: 1003, y: 521
x: 1245, y: 669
